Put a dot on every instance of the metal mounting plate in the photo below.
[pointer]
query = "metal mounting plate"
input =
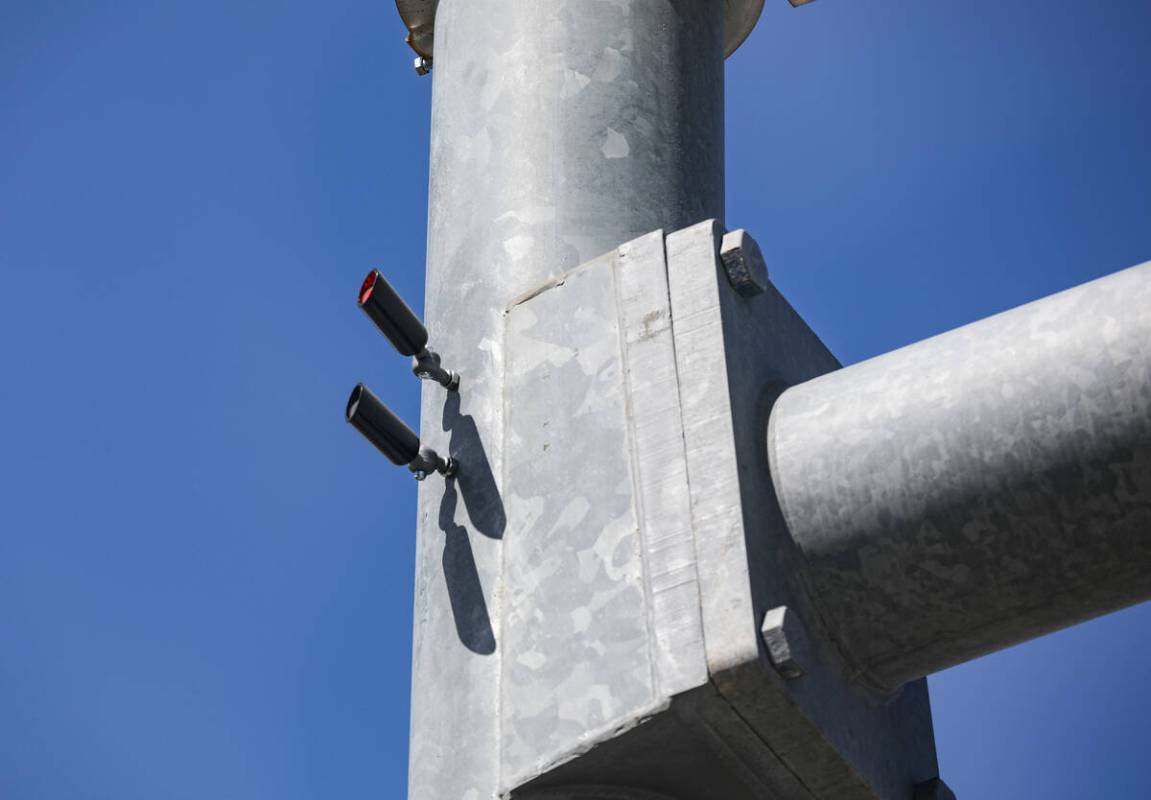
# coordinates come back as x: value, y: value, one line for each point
x: 645, y: 549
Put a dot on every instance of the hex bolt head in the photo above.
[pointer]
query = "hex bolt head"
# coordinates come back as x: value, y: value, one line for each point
x: 934, y: 789
x: 783, y: 635
x: 422, y: 65
x: 743, y: 262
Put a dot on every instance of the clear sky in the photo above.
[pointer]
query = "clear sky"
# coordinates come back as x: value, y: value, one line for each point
x: 206, y: 577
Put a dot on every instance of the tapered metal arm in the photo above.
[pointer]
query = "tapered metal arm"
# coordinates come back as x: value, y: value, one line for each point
x: 979, y: 488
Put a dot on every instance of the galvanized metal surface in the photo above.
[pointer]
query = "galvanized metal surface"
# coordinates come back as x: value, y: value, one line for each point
x: 631, y: 535
x: 559, y: 131
x: 419, y: 17
x: 578, y: 655
x: 979, y: 488
x: 818, y: 735
x: 603, y: 627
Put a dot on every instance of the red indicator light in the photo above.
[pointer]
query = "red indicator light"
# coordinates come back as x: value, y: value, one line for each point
x: 368, y: 286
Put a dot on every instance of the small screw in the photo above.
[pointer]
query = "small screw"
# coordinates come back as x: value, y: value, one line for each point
x: 419, y: 474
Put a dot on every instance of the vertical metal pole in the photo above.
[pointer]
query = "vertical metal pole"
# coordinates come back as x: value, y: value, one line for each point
x: 560, y: 129
x: 563, y: 128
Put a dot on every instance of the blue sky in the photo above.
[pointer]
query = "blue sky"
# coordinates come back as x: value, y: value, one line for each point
x: 206, y: 578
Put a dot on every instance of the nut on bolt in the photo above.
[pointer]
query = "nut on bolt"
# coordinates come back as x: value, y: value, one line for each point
x: 422, y: 65
x: 783, y: 635
x: 743, y: 262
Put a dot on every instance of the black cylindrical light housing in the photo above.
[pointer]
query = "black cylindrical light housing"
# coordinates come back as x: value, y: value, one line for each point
x: 381, y: 427
x: 392, y: 316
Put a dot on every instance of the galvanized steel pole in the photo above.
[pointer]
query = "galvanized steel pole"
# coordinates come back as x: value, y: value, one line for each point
x: 563, y: 128
x: 560, y: 130
x: 979, y: 488
x: 944, y: 500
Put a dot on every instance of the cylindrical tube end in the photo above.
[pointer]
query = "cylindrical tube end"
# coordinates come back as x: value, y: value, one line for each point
x: 390, y: 434
x: 391, y: 315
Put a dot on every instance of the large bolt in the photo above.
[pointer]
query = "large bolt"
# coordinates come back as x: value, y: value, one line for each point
x: 783, y: 635
x: 743, y: 262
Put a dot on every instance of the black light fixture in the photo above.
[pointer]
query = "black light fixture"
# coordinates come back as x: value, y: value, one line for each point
x: 392, y: 436
x: 404, y: 330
